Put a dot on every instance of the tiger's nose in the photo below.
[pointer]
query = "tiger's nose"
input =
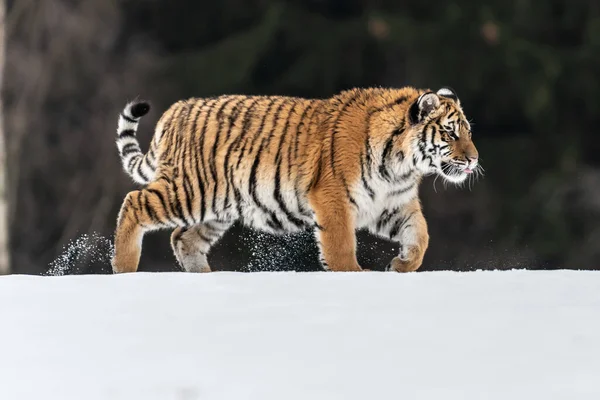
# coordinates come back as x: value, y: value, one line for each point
x: 472, y: 160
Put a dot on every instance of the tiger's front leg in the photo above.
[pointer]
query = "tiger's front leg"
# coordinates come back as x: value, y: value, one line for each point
x: 336, y: 231
x: 409, y: 228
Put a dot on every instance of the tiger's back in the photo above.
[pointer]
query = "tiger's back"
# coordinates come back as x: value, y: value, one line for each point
x: 236, y: 157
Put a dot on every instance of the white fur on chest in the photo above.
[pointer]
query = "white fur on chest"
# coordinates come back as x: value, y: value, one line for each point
x: 387, y: 196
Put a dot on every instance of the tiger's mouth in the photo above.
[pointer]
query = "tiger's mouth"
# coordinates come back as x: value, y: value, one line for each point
x: 454, y: 172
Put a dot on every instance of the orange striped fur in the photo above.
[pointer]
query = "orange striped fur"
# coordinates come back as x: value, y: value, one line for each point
x: 284, y: 164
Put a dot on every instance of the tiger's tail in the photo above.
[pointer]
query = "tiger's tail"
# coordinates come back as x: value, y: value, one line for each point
x: 140, y: 167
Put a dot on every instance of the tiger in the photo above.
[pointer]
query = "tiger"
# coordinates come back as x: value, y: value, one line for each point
x: 280, y: 164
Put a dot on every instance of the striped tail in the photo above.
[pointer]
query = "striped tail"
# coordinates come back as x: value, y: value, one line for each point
x: 140, y: 167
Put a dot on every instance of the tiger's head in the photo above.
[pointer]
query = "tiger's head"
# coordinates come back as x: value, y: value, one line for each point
x: 443, y: 139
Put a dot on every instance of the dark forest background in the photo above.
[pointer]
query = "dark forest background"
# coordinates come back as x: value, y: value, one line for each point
x: 527, y: 73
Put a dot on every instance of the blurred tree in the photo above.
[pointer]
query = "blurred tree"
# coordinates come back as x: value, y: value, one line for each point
x: 68, y: 76
x: 4, y: 233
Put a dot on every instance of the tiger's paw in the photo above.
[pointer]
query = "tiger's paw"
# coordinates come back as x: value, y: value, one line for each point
x: 399, y: 265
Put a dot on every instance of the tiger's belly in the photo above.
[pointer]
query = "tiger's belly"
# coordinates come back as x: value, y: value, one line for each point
x: 288, y: 212
x: 257, y: 218
x: 276, y: 214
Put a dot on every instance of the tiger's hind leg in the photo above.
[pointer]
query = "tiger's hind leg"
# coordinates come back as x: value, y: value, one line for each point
x: 191, y: 245
x: 142, y: 211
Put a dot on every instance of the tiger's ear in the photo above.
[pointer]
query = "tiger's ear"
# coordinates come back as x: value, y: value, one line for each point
x: 449, y: 93
x: 425, y: 105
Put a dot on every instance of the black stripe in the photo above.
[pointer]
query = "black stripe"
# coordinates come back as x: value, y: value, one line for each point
x: 162, y: 201
x: 286, y: 127
x: 201, y: 179
x: 296, y: 179
x: 301, y: 209
x: 150, y: 160
x: 237, y: 195
x: 201, y: 148
x: 399, y: 100
x: 131, y: 164
x: 176, y: 126
x: 187, y: 188
x: 433, y: 131
x: 351, y: 100
x: 252, y: 183
x: 127, y: 133
x: 272, y: 225
x: 147, y: 163
x: 135, y: 162
x: 395, y: 228
x: 368, y: 149
x: 365, y: 158
x: 138, y: 207
x: 126, y: 118
x: 277, y: 192
x: 141, y: 209
x: 201, y: 187
x: 141, y: 173
x: 184, y: 153
x: 402, y: 190
x: 235, y: 112
x: 192, y: 118
x: 260, y: 129
x: 404, y: 176
x: 368, y: 152
x: 246, y: 122
x: 384, y: 218
x: 149, y: 209
x: 169, y: 205
x: 350, y: 198
x: 231, y: 149
x: 400, y: 158
x: 275, y: 119
x: 399, y: 223
x: 129, y: 149
x: 300, y: 123
x: 213, y: 163
x: 186, y: 157
x: 178, y: 204
x: 383, y: 171
x: 369, y: 190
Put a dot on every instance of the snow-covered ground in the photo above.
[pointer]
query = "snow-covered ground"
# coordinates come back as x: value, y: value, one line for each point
x: 437, y: 335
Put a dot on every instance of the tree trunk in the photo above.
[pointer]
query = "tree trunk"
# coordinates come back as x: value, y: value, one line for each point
x: 4, y: 250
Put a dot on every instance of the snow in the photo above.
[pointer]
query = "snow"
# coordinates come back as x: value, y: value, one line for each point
x: 283, y: 335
